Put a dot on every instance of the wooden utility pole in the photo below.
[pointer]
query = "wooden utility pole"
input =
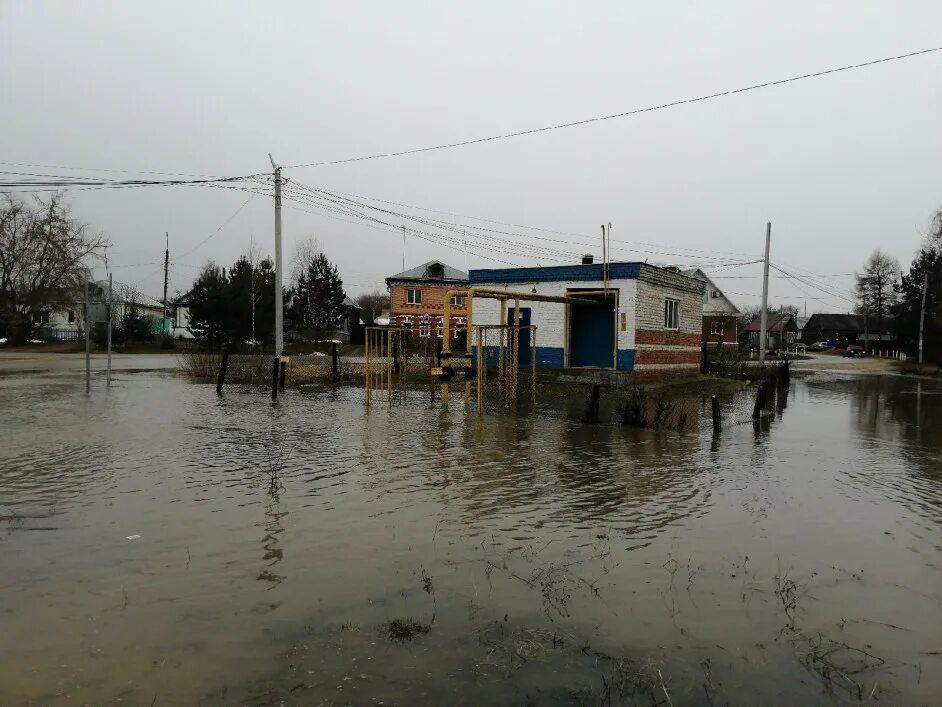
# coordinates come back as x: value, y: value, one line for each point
x: 764, y: 315
x: 922, y: 313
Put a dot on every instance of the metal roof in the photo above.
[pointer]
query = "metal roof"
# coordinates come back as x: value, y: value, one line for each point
x: 422, y: 272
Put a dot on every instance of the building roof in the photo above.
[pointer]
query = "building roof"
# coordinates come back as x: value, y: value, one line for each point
x: 713, y: 304
x: 774, y: 322
x: 347, y: 302
x: 586, y: 272
x: 426, y: 271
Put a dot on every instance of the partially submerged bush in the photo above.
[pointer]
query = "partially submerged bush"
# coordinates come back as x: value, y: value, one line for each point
x: 406, y: 629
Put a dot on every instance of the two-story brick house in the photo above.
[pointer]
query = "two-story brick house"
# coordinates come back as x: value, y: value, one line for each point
x: 417, y: 300
x: 720, y: 315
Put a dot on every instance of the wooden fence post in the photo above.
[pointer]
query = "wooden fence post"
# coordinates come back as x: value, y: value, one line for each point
x: 221, y: 377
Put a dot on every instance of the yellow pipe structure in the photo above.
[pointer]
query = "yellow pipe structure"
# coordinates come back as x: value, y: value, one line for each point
x: 488, y: 293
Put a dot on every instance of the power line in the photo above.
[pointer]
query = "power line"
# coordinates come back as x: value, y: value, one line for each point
x: 625, y: 114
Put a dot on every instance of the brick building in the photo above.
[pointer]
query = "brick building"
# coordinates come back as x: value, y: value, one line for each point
x: 417, y: 300
x: 720, y: 315
x: 650, y: 320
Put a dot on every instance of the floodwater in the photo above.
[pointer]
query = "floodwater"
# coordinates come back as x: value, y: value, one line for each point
x: 162, y: 546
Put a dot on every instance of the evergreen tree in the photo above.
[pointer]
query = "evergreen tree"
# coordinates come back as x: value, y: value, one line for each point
x: 317, y: 298
x: 927, y: 262
x: 211, y: 315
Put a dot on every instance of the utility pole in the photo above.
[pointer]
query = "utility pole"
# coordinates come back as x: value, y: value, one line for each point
x: 166, y: 271
x: 88, y: 342
x: 403, y: 248
x: 279, y: 295
x: 922, y: 313
x: 764, y: 315
x: 108, y: 310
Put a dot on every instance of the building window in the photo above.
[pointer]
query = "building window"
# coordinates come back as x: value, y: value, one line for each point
x: 439, y: 330
x: 716, y: 327
x: 71, y: 316
x: 671, y: 314
x: 457, y: 301
x: 413, y: 296
x: 425, y: 331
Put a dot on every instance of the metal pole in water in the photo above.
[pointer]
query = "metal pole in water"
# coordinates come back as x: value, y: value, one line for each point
x: 109, y: 331
x: 717, y: 423
x: 88, y: 343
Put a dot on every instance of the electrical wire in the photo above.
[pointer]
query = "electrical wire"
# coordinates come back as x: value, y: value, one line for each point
x: 624, y: 114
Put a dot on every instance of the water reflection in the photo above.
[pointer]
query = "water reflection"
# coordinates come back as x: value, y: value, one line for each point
x: 344, y: 518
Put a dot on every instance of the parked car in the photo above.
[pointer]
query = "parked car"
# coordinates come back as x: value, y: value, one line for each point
x: 819, y: 346
x: 854, y: 352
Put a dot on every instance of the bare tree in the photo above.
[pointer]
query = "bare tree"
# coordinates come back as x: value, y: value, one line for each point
x: 876, y: 288
x: 304, y: 254
x: 372, y: 305
x: 44, y: 253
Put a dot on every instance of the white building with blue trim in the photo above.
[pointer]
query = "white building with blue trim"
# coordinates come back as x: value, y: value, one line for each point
x: 644, y: 319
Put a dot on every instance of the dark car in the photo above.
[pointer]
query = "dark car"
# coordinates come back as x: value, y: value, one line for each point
x: 819, y: 346
x: 854, y: 352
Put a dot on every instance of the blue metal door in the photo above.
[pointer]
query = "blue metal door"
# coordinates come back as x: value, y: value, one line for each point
x: 523, y: 355
x: 592, y: 333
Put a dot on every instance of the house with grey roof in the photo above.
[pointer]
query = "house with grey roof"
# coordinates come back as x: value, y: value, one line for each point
x: 417, y: 299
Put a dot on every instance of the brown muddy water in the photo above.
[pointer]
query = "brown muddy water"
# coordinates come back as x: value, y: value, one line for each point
x: 162, y: 546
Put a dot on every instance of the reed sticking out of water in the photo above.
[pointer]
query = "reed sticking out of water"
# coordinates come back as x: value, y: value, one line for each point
x: 661, y: 412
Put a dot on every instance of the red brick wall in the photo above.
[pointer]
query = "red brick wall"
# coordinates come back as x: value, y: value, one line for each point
x: 729, y: 330
x: 666, y: 337
x: 433, y: 305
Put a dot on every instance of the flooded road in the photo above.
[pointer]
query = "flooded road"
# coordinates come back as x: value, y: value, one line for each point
x: 160, y: 545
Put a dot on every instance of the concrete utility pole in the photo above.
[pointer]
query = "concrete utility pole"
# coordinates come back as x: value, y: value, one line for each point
x: 88, y: 343
x: 279, y: 296
x: 403, y: 248
x: 764, y: 315
x: 166, y: 271
x: 108, y: 311
x: 922, y: 313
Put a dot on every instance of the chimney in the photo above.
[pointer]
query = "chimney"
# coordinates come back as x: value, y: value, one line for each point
x: 587, y: 259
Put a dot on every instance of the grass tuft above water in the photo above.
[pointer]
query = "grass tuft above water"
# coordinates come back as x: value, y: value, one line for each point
x: 407, y: 629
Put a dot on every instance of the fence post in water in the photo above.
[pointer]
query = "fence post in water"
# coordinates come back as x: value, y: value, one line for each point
x: 275, y: 366
x: 281, y: 375
x: 395, y: 351
x: 592, y: 414
x: 223, y: 365
x: 760, y: 401
x: 703, y: 357
x: 717, y: 423
x: 333, y: 361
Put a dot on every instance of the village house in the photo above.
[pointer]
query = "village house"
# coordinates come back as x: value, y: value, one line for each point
x: 846, y: 329
x: 720, y: 315
x: 64, y: 319
x: 643, y: 319
x: 417, y: 300
x: 781, y: 331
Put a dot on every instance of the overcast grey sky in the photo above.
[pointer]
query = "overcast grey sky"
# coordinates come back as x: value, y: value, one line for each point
x: 840, y: 164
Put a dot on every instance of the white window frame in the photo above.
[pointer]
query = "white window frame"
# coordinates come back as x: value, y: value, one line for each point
x: 414, y: 295
x: 425, y: 331
x: 717, y: 324
x: 439, y: 330
x: 671, y: 307
x: 457, y: 301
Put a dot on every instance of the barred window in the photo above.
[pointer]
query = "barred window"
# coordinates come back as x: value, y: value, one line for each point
x: 671, y: 313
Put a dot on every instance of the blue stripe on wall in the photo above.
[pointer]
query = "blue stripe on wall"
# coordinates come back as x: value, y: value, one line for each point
x: 626, y: 359
x: 551, y: 357
x: 556, y: 273
x: 546, y: 356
